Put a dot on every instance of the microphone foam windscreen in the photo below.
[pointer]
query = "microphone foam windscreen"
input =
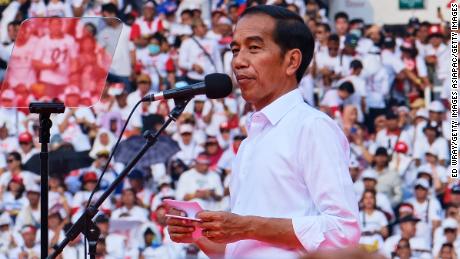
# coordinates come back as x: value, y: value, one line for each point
x: 218, y: 85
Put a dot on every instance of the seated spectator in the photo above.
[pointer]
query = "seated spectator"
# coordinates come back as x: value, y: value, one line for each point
x: 427, y: 209
x: 374, y: 224
x: 200, y: 184
x: 14, y: 166
x: 388, y: 182
x: 369, y: 181
x: 26, y: 146
x: 449, y: 228
x: 29, y: 248
x: 408, y: 228
x: 136, y: 181
x: 30, y: 213
x: 130, y: 207
x: 432, y: 140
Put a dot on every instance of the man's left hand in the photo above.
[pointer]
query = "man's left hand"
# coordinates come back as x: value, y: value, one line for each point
x: 223, y: 227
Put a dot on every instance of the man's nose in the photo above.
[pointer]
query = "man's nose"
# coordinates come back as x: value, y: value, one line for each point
x: 240, y: 61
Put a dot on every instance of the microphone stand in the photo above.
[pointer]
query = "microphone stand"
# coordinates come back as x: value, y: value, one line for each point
x: 85, y: 223
x: 44, y: 110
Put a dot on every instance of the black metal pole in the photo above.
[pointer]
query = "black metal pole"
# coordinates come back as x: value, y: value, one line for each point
x: 82, y: 223
x: 44, y: 110
x: 44, y: 198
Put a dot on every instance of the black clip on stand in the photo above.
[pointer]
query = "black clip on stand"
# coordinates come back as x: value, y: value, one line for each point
x: 85, y: 224
x: 44, y: 110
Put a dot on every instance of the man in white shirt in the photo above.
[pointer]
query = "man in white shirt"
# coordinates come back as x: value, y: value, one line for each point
x: 200, y: 184
x: 199, y: 55
x: 427, y: 209
x: 286, y: 195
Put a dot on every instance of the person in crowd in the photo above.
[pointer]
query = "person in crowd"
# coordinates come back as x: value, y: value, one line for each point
x: 130, y: 206
x: 427, y: 209
x: 198, y: 55
x: 30, y: 247
x: 200, y: 184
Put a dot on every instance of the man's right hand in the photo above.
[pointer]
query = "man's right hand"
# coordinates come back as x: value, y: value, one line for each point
x: 180, y: 230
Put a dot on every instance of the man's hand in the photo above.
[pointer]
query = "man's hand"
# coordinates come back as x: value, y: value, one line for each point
x: 180, y: 230
x: 223, y: 227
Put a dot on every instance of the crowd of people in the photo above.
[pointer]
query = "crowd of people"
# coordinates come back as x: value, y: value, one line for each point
x: 371, y: 79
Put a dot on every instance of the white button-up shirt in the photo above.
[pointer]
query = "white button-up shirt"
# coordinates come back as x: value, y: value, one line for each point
x: 294, y: 164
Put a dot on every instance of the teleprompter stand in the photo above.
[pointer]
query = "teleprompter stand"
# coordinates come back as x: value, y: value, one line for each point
x: 44, y: 110
x: 85, y: 223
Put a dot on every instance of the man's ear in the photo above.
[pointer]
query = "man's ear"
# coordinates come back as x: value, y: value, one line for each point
x: 293, y: 59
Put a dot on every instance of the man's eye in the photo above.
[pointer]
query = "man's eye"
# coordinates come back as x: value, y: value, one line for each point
x: 235, y: 50
x: 254, y: 47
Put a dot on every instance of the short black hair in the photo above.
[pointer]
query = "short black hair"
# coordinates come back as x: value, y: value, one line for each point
x: 14, y: 23
x: 16, y: 155
x: 339, y: 15
x: 109, y: 8
x: 356, y: 64
x: 348, y: 87
x: 333, y: 37
x: 325, y: 26
x: 290, y: 32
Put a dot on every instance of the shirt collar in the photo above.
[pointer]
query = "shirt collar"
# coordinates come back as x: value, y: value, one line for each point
x: 278, y: 108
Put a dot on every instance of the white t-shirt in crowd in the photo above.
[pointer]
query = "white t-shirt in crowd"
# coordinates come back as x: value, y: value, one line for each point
x: 192, y: 181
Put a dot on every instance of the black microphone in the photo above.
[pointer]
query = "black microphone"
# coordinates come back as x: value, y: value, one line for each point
x: 215, y: 86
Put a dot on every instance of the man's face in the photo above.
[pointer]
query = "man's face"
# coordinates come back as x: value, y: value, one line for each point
x: 392, y: 124
x: 321, y: 34
x: 333, y: 48
x: 408, y: 228
x: 421, y: 193
x: 343, y: 94
x: 128, y: 198
x: 12, y: 163
x: 200, y: 30
x: 201, y: 167
x: 450, y: 234
x: 33, y: 198
x: 257, y: 62
x: 13, y: 32
x: 29, y: 238
x: 435, y: 116
x: 341, y: 26
x: 435, y: 41
x: 381, y: 160
x: 369, y: 184
x: 149, y: 13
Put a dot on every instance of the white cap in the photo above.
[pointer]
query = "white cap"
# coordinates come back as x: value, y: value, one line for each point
x: 33, y: 188
x: 436, y: 106
x: 165, y: 179
x: 433, y: 150
x: 369, y: 174
x: 422, y: 182
x: 449, y: 223
x: 5, y: 219
x: 186, y: 128
x: 425, y: 168
x: 422, y: 113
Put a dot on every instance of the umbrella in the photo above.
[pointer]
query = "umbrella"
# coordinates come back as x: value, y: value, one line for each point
x: 161, y: 152
x: 61, y: 161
